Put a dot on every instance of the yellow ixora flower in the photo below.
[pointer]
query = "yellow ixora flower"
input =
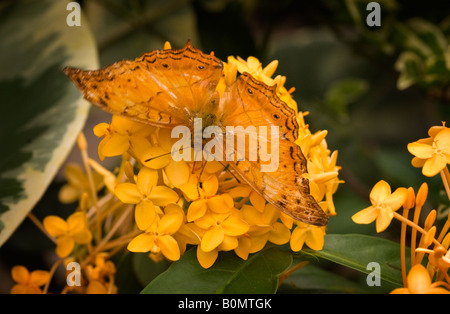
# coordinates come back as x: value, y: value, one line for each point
x: 432, y: 153
x: 419, y: 282
x: 203, y: 196
x: 147, y: 196
x: 78, y: 183
x: 312, y: 236
x: 121, y: 134
x: 218, y: 232
x: 384, y: 203
x: 265, y: 227
x: 254, y: 67
x: 159, y: 236
x: 68, y: 233
x: 26, y: 282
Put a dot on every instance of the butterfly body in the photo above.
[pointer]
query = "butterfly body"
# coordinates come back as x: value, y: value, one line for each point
x: 169, y: 88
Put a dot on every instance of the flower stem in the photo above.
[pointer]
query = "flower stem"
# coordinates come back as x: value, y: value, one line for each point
x: 403, y: 246
x: 414, y: 226
x: 52, y: 272
x: 445, y: 175
x: 40, y: 226
x: 82, y: 144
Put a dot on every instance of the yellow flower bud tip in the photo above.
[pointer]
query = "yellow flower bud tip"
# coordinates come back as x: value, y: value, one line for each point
x: 270, y: 69
x: 318, y: 137
x: 429, y: 236
x: 422, y: 195
x: 81, y: 142
x: 410, y: 199
x: 167, y: 45
x: 431, y: 218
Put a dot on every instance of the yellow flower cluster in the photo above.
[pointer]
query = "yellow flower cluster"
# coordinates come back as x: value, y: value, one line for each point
x: 157, y: 205
x: 432, y: 154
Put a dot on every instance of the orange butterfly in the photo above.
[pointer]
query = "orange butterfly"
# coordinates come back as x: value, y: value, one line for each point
x: 168, y: 88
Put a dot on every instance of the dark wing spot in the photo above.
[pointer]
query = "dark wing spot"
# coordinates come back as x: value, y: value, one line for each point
x: 250, y: 91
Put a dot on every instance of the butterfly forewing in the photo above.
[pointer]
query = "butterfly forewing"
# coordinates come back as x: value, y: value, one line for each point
x: 162, y: 88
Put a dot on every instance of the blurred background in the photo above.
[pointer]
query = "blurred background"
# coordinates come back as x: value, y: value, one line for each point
x: 375, y: 89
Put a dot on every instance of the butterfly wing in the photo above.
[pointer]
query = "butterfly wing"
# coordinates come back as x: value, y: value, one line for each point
x: 249, y: 102
x: 162, y: 88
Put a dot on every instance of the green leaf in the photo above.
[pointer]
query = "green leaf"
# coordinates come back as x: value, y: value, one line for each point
x: 230, y: 274
x: 314, y: 279
x: 357, y: 251
x: 411, y: 69
x: 42, y: 112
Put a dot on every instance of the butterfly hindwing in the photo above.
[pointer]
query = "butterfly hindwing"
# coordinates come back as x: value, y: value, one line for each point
x: 285, y: 187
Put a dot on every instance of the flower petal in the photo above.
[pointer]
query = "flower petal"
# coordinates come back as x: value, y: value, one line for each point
x: 55, y: 225
x: 20, y: 274
x: 115, y: 144
x: 212, y: 239
x: 384, y: 218
x: 218, y: 204
x: 243, y: 248
x: 257, y: 201
x: 64, y: 246
x: 144, y: 214
x: 76, y: 222
x: 396, y: 199
x: 172, y: 220
x: 419, y: 280
x: 156, y: 157
x: 39, y: 277
x: 162, y: 196
x: 101, y: 129
x: 298, y: 238
x: 423, y: 151
x: 141, y: 243
x: 433, y: 165
x: 196, y: 210
x: 380, y: 192
x: 128, y: 193
x: 315, y: 238
x: 210, y: 186
x: 365, y: 216
x: 442, y: 140
x: 146, y: 179
x: 190, y: 191
x: 169, y: 247
x: 83, y: 236
x: 280, y: 234
x: 234, y: 226
x: 206, y: 259
x: 177, y: 172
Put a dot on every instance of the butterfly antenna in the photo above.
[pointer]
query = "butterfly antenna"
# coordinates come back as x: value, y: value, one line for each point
x: 226, y: 167
x: 162, y: 155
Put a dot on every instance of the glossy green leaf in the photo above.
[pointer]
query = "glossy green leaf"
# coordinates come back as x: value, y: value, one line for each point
x: 41, y: 112
x: 230, y: 274
x: 357, y: 251
x: 313, y: 279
